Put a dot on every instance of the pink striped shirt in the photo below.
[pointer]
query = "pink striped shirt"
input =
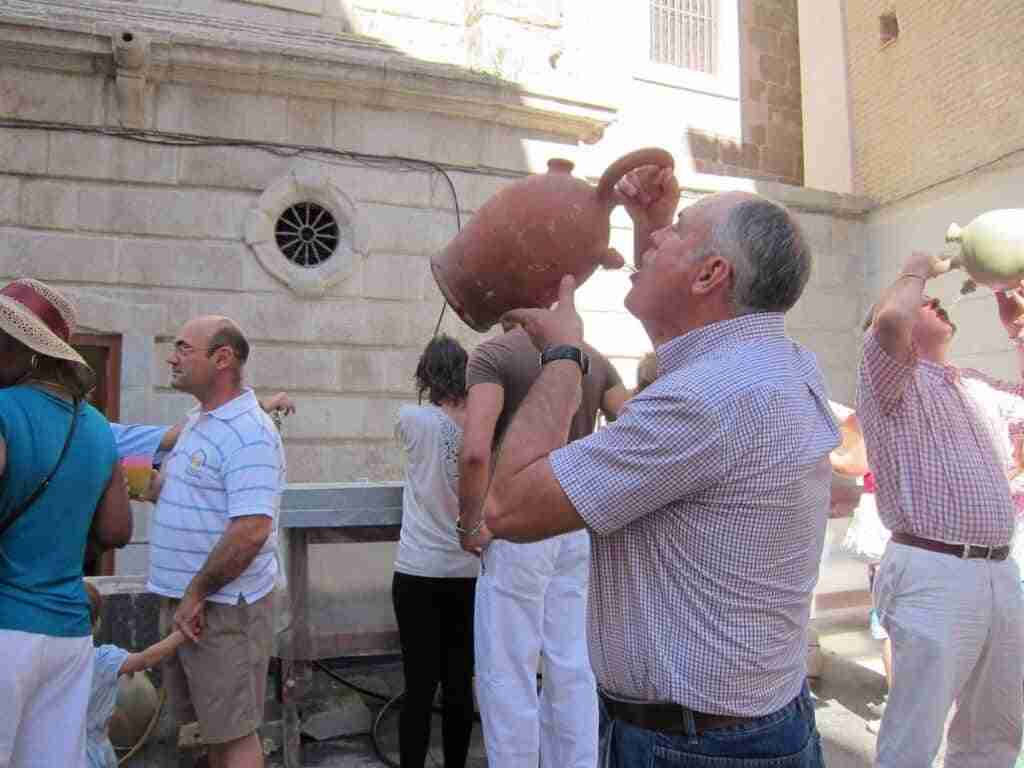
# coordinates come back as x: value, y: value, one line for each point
x: 937, y: 438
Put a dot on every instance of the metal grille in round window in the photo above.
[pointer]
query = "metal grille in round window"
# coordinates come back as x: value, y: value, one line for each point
x: 307, y: 234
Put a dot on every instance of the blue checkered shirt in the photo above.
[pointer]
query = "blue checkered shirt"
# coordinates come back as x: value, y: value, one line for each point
x: 707, y: 502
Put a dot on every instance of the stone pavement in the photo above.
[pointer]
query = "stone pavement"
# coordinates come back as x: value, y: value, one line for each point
x: 851, y: 679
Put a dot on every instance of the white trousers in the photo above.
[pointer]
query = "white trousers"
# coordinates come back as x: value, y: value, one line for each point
x: 956, y: 634
x: 531, y: 599
x: 45, y: 683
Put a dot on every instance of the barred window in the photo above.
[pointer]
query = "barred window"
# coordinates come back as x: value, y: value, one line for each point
x: 683, y: 34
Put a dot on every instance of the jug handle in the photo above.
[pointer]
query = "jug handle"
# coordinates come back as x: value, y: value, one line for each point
x: 627, y: 163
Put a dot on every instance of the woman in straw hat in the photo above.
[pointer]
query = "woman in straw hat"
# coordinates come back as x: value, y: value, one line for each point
x: 60, y: 487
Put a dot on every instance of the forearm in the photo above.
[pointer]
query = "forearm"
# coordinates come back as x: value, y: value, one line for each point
x: 227, y: 561
x: 474, y: 478
x: 902, y: 300
x: 161, y: 650
x: 541, y: 425
x: 153, y: 655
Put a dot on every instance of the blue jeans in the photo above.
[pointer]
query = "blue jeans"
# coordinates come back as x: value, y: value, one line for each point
x: 787, y: 738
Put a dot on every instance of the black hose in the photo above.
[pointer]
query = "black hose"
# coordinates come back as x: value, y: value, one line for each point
x: 364, y: 691
x: 373, y: 732
x: 388, y: 704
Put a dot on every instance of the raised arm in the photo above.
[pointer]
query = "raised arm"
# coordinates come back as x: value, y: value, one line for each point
x: 526, y: 502
x: 483, y: 408
x: 898, y: 309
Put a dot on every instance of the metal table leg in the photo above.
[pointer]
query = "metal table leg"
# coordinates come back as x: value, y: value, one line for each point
x: 296, y: 674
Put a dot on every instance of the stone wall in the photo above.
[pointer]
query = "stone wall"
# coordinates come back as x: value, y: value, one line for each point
x: 155, y: 231
x: 771, y: 144
x: 147, y: 234
x: 940, y: 99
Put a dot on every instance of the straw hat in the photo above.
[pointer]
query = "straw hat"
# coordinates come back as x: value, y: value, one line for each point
x: 43, y: 320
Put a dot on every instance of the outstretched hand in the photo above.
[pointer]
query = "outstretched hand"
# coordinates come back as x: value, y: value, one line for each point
x: 551, y: 327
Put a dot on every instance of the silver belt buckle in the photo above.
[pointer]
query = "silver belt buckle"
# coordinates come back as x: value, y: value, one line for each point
x: 989, y: 551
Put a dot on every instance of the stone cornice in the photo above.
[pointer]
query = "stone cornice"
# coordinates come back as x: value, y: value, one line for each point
x: 199, y: 49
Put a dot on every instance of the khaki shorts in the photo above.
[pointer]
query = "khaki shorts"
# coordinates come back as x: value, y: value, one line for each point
x: 221, y: 680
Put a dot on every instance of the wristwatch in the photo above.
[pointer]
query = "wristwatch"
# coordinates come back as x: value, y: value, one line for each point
x: 566, y: 352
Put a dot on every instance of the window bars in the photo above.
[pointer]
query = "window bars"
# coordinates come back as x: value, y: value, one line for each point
x: 683, y: 34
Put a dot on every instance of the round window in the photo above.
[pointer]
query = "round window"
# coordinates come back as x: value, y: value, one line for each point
x: 307, y: 234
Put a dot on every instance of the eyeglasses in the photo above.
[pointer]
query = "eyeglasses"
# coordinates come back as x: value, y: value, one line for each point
x: 184, y: 349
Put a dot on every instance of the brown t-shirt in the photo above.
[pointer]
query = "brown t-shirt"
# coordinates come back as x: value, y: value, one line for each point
x: 513, y: 363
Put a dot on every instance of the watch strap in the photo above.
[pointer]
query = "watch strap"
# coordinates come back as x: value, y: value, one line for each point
x: 566, y: 352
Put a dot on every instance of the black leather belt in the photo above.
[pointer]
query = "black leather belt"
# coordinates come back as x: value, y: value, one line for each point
x: 963, y: 551
x: 665, y: 716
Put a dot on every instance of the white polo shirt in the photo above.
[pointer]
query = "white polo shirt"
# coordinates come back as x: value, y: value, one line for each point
x: 228, y: 462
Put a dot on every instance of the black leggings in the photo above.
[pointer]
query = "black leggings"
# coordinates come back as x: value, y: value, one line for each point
x: 435, y: 627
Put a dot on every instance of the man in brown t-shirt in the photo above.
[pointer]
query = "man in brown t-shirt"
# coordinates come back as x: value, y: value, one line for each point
x: 531, y: 598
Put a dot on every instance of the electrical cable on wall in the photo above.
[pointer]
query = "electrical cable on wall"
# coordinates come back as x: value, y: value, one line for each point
x: 328, y: 155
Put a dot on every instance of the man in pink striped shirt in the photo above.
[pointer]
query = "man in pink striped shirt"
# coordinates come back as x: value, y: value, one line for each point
x: 946, y: 592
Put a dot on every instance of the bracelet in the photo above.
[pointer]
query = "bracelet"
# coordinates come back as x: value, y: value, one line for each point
x: 903, y: 275
x: 1017, y: 341
x: 470, y: 531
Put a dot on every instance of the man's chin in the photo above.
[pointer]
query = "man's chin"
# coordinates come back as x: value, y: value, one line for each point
x: 629, y: 301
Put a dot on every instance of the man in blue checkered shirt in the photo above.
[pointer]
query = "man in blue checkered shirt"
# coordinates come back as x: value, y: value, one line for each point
x: 706, y: 500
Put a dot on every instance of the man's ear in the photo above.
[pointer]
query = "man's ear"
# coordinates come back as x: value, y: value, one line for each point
x: 713, y: 272
x: 222, y: 357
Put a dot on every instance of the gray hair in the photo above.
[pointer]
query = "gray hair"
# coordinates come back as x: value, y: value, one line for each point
x: 770, y: 259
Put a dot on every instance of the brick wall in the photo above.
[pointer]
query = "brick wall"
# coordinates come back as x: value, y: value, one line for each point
x: 771, y: 146
x: 938, y: 101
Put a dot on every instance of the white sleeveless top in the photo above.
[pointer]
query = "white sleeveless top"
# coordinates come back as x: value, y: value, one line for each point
x: 429, y: 544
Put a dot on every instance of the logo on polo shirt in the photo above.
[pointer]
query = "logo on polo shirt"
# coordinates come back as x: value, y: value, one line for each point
x: 196, y: 462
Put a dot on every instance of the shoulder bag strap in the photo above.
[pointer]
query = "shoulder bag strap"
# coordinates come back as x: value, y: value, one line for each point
x: 13, y: 515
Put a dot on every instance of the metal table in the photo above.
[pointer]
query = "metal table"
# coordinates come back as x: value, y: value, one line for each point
x: 338, y: 559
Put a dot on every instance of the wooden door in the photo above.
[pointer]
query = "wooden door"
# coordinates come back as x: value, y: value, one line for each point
x: 103, y: 353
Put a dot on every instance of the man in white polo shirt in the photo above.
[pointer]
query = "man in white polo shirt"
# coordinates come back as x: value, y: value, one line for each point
x: 213, y: 544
